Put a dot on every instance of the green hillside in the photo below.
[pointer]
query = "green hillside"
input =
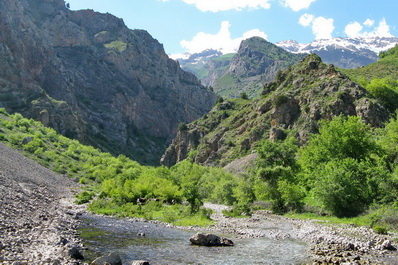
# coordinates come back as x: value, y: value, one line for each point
x: 112, y: 185
x: 380, y: 78
x: 386, y: 67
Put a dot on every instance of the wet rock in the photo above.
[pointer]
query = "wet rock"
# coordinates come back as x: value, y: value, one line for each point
x: 140, y: 262
x: 111, y: 259
x: 388, y: 245
x: 209, y: 240
x: 74, y: 253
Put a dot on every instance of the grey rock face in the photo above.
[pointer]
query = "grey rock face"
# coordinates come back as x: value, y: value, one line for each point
x: 91, y: 78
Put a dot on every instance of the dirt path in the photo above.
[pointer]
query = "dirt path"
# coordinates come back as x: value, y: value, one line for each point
x: 37, y: 217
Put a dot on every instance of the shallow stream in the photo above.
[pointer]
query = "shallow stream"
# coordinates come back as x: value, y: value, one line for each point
x: 165, y: 245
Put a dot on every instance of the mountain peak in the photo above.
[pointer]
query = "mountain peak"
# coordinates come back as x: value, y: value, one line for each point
x: 344, y: 52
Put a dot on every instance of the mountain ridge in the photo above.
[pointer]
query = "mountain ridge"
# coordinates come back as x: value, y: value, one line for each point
x: 342, y: 52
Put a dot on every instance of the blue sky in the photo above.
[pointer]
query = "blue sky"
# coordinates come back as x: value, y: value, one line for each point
x: 194, y: 25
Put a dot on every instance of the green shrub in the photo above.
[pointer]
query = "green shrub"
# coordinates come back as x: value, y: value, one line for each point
x: 280, y: 100
x: 182, y: 127
x: 381, y: 230
x: 243, y: 95
x: 84, y: 197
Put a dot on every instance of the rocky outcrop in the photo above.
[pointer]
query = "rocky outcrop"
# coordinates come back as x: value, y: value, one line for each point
x: 293, y: 104
x: 210, y: 240
x: 91, y: 78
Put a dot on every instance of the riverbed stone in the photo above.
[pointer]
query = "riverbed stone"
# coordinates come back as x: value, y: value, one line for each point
x: 111, y: 259
x: 74, y: 253
x: 387, y: 244
x: 209, y: 240
x: 140, y: 262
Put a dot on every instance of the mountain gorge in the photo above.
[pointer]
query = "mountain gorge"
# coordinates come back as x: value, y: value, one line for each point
x: 290, y: 106
x: 91, y: 78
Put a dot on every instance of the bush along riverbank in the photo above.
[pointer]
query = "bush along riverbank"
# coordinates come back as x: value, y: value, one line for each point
x: 347, y: 170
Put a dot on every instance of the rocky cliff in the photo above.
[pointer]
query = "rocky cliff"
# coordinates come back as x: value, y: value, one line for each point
x: 91, y: 78
x: 291, y: 105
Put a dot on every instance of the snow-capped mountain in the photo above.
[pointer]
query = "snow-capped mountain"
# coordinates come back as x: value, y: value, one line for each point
x: 195, y: 62
x: 343, y: 52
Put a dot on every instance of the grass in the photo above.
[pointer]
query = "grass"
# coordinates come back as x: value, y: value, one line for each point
x: 117, y: 44
x: 175, y: 214
x: 358, y: 221
x: 380, y: 218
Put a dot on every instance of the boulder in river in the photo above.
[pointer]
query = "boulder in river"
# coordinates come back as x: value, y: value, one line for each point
x: 140, y: 262
x: 111, y: 259
x: 74, y: 253
x: 210, y: 240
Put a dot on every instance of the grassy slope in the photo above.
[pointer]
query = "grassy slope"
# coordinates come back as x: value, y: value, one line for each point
x: 387, y: 66
x: 93, y: 167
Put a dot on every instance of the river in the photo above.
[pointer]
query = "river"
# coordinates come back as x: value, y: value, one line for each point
x: 166, y: 245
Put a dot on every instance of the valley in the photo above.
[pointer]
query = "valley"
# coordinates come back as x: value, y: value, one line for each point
x: 107, y: 145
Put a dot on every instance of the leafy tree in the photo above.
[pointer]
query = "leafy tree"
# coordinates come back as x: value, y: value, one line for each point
x: 386, y: 90
x: 277, y: 165
x: 343, y: 137
x: 342, y: 167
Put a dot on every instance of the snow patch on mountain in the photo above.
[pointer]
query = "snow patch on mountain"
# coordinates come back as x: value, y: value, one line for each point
x: 374, y: 44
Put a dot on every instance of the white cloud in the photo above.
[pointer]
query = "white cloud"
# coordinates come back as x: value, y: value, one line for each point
x: 355, y: 29
x: 220, y: 41
x: 223, y: 5
x: 297, y: 5
x: 369, y: 22
x: 306, y: 20
x: 383, y: 30
x: 321, y: 27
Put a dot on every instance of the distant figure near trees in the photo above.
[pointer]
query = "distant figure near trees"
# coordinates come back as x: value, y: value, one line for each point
x: 67, y: 5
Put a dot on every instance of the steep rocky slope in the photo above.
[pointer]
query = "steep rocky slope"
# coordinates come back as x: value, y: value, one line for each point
x: 292, y: 105
x: 90, y: 77
x: 37, y: 223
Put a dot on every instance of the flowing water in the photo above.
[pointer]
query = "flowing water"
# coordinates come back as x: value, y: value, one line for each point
x: 165, y: 245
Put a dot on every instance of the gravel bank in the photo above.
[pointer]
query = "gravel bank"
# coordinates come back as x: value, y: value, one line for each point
x: 328, y: 244
x: 37, y: 218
